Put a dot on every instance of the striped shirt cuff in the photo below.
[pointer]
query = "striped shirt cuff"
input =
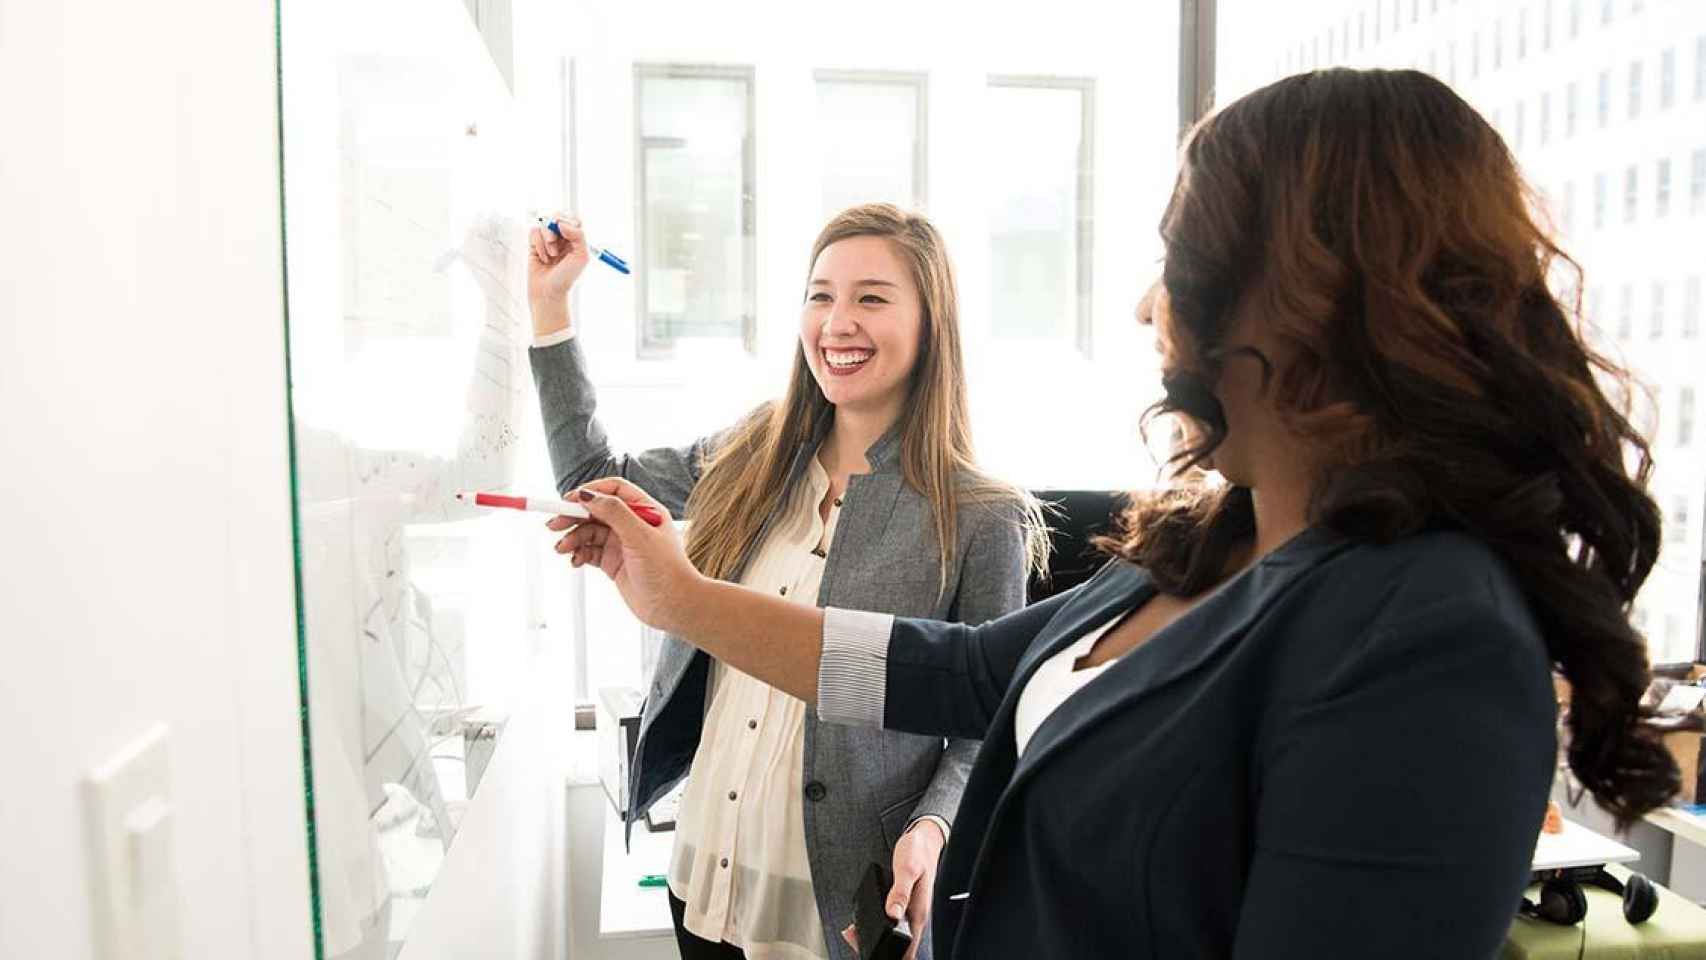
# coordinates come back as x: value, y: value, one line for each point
x: 853, y: 676
x: 552, y: 339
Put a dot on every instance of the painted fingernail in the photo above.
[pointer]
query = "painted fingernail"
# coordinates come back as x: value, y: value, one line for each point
x: 584, y: 496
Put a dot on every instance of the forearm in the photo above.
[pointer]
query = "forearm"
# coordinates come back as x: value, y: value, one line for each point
x: 769, y: 638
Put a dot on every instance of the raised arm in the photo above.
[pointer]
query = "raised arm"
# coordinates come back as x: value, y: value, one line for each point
x: 919, y: 676
x: 580, y: 449
x: 1400, y: 804
x: 568, y: 406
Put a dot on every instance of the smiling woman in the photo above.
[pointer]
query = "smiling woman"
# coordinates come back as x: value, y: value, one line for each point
x: 858, y: 488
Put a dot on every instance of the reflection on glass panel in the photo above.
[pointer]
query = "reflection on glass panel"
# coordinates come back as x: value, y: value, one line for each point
x: 871, y: 127
x: 695, y: 189
x: 1640, y: 150
x: 1039, y: 235
x: 406, y: 296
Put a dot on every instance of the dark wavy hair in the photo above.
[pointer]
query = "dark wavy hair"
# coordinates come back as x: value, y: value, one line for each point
x: 1378, y: 226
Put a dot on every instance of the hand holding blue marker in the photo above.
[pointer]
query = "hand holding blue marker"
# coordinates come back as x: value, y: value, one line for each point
x: 616, y: 263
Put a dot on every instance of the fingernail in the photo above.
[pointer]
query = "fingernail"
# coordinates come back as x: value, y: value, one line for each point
x: 584, y: 496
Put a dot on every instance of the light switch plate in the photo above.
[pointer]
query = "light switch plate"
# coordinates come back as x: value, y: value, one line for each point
x: 128, y: 802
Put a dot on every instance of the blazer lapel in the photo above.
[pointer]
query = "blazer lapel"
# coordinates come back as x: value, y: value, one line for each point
x: 1117, y: 588
x: 1173, y: 653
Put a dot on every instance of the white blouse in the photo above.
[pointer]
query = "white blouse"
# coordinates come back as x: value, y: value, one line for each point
x: 740, y: 843
x: 1055, y: 682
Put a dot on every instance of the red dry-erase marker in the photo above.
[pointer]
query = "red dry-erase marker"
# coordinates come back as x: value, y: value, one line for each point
x: 551, y: 505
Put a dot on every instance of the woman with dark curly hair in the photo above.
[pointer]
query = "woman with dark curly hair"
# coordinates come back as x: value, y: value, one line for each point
x: 1308, y: 711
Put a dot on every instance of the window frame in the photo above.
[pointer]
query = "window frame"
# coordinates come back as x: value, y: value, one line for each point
x: 920, y: 83
x: 1084, y: 197
x: 646, y: 346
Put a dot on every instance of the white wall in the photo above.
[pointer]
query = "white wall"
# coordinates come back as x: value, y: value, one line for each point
x: 143, y: 371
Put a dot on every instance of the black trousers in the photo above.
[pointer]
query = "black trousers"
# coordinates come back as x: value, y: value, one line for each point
x: 694, y: 947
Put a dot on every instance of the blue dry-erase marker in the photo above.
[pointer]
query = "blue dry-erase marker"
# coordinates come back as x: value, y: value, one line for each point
x: 617, y: 263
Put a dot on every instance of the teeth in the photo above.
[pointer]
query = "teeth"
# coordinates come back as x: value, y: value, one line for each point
x: 846, y: 358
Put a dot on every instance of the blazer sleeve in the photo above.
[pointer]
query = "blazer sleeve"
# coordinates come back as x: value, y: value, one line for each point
x: 923, y: 676
x: 993, y: 574
x: 1400, y: 802
x: 580, y: 449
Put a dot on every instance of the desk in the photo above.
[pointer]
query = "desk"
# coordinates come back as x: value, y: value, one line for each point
x: 1677, y: 931
x: 627, y: 910
x: 1680, y: 823
x: 1577, y: 846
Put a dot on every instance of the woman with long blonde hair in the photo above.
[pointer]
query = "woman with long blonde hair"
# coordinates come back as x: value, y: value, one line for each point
x: 859, y: 488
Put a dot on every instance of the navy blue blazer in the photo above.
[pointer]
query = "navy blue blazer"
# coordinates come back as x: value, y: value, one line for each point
x: 1344, y: 751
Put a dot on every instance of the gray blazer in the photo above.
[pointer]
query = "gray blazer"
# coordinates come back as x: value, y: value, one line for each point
x: 863, y: 786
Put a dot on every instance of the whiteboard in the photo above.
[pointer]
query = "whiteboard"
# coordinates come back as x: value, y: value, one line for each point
x: 405, y: 257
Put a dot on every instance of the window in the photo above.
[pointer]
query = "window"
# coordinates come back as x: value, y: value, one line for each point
x: 1599, y: 190
x: 1667, y: 79
x: 1575, y: 19
x: 1498, y: 43
x: 1039, y: 229
x: 1626, y: 312
x: 1634, y: 90
x: 1545, y: 118
x: 1679, y: 519
x: 1604, y: 99
x: 1521, y: 112
x: 1475, y: 55
x: 695, y: 188
x: 1570, y: 110
x: 1631, y: 192
x: 1522, y: 33
x: 1691, y: 308
x: 1570, y: 207
x: 1657, y: 329
x: 1685, y: 417
x: 1362, y: 30
x: 1697, y: 182
x: 1605, y: 12
x: 1661, y: 200
x: 1546, y: 25
x: 872, y: 130
x: 1700, y: 68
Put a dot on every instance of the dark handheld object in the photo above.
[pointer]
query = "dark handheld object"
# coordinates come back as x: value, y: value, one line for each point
x: 879, y: 937
x: 1562, y: 901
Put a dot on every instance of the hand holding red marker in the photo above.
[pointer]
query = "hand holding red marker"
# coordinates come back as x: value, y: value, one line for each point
x: 562, y: 508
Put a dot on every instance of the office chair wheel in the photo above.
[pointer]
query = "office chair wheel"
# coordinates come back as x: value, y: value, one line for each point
x: 1640, y: 899
x: 1561, y: 902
